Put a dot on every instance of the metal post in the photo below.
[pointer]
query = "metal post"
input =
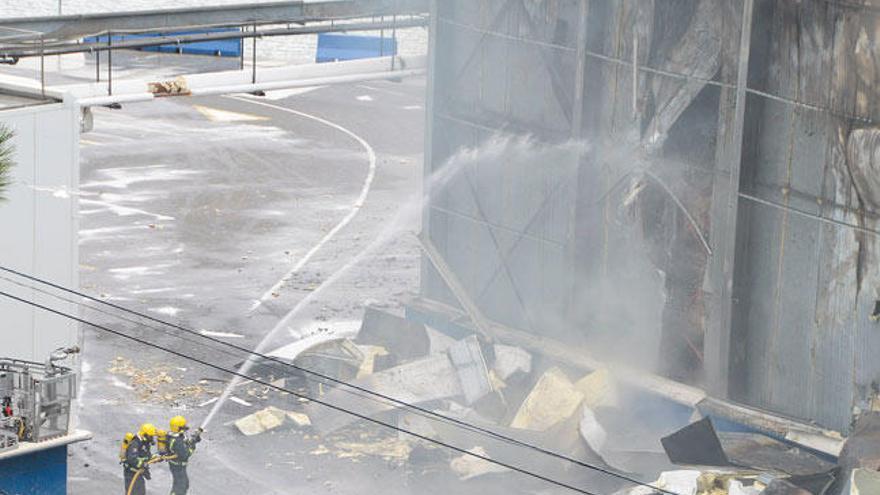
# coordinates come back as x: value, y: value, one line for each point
x: 254, y: 58
x: 635, y: 73
x: 428, y: 167
x: 382, y: 38
x: 577, y: 120
x: 43, y: 66
x: 109, y: 63
x: 241, y: 48
x: 577, y: 133
x: 98, y: 64
x: 724, y: 236
x: 393, y: 40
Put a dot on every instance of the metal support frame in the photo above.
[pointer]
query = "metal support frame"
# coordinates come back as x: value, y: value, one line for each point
x: 254, y: 57
x: 110, y: 64
x: 503, y: 257
x: 549, y: 60
x: 481, y: 324
x: 724, y: 227
x: 523, y: 234
x: 241, y: 48
x: 430, y: 90
x: 577, y: 130
x: 496, y: 22
x: 394, y: 39
x: 19, y: 51
x: 42, y: 68
x: 71, y: 27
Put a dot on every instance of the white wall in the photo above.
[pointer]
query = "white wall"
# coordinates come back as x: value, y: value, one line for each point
x: 38, y: 227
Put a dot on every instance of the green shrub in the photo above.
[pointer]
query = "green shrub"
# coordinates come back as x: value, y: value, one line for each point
x: 6, y: 152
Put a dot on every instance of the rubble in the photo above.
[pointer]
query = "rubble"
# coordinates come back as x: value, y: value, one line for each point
x: 405, y: 339
x: 338, y: 358
x: 594, y: 434
x: 593, y: 418
x: 427, y: 379
x: 467, y: 466
x: 699, y: 444
x: 735, y: 487
x: 390, y: 449
x: 683, y: 482
x: 784, y: 487
x: 461, y: 371
x: 696, y: 444
x: 510, y: 360
x: 261, y: 421
x: 470, y: 366
x: 599, y: 389
x: 177, y: 86
x: 161, y: 384
x: 370, y: 353
x: 438, y: 341
x: 300, y: 419
x: 552, y: 400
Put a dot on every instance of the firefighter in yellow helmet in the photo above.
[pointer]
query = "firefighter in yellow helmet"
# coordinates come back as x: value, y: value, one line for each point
x: 180, y: 448
x: 137, y: 455
x: 123, y: 451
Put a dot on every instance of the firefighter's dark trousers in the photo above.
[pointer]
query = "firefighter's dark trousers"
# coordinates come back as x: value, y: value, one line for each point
x: 180, y: 480
x: 140, y: 486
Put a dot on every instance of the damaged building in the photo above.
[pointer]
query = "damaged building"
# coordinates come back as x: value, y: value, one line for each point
x: 686, y: 185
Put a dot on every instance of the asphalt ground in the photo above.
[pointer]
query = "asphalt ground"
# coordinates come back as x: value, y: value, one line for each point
x: 191, y: 209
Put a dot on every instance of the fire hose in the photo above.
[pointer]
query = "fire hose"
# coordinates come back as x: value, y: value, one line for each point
x: 140, y: 471
x: 154, y: 460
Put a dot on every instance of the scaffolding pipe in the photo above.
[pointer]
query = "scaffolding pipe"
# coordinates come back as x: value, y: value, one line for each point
x: 18, y: 51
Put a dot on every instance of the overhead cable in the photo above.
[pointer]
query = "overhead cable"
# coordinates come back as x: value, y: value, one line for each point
x: 295, y: 393
x: 414, y: 407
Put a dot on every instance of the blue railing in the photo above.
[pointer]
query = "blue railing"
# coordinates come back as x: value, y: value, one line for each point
x: 339, y: 47
x: 217, y: 48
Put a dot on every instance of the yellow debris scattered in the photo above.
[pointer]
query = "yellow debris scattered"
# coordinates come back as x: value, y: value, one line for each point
x: 160, y: 384
x: 369, y: 363
x: 552, y: 400
x: 599, y: 389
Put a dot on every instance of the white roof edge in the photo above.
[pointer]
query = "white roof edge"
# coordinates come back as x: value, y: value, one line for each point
x: 26, y: 448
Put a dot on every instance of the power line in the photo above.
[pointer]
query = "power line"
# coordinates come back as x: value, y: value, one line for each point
x: 303, y: 396
x: 414, y: 407
x: 169, y: 333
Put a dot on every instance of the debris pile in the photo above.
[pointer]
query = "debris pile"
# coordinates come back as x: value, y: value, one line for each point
x: 161, y: 384
x: 586, y: 415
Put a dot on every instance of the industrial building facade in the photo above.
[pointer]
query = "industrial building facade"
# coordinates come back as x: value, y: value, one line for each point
x: 687, y: 184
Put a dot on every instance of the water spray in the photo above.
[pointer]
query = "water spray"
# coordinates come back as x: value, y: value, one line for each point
x: 496, y: 151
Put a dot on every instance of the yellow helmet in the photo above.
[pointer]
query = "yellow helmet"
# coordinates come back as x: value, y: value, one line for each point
x: 178, y: 424
x: 147, y: 430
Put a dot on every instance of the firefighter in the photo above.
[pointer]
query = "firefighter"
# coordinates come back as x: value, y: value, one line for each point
x: 137, y: 456
x: 180, y: 448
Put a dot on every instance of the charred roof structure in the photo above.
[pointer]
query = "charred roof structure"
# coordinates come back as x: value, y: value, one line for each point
x: 711, y: 206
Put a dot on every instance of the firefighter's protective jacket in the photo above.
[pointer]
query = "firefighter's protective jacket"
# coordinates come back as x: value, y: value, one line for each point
x: 137, y: 454
x: 181, y: 448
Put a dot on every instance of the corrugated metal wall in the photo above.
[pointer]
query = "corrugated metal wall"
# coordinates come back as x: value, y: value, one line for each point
x: 720, y: 223
x: 507, y: 67
x: 807, y: 280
